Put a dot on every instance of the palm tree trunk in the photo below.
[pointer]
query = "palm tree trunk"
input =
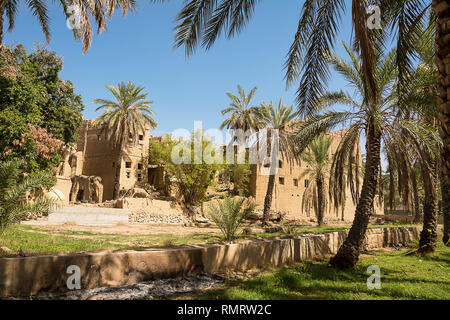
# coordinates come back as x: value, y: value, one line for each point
x: 268, y: 199
x: 117, y: 177
x: 320, y: 200
x: 442, y: 58
x: 391, y: 191
x: 416, y: 206
x: 348, y: 253
x: 428, y: 236
x: 271, y: 183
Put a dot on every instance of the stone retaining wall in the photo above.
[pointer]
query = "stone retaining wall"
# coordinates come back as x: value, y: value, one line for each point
x: 29, y: 275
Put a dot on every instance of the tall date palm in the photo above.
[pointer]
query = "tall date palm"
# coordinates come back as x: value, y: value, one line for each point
x: 317, y: 157
x: 278, y: 123
x: 240, y: 114
x: 203, y: 21
x: 404, y: 149
x: 442, y: 59
x: 126, y: 117
x: 372, y: 115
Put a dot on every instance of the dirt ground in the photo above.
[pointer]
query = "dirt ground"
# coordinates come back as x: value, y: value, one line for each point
x: 134, y: 229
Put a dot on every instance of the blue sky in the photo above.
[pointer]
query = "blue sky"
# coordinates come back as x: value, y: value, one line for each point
x: 139, y: 48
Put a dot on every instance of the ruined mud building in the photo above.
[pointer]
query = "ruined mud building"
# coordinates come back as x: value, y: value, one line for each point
x: 94, y: 156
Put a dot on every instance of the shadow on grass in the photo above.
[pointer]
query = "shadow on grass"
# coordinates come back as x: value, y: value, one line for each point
x: 402, y: 277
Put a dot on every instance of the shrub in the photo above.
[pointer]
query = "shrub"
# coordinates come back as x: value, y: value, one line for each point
x: 190, y: 179
x: 39, y: 112
x: 15, y: 191
x: 289, y: 229
x: 229, y: 215
x: 239, y: 175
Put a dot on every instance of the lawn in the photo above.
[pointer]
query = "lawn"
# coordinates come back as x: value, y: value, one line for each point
x: 34, y: 240
x: 39, y: 240
x: 402, y: 277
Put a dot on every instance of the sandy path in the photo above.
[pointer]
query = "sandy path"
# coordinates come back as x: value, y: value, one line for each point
x: 124, y: 228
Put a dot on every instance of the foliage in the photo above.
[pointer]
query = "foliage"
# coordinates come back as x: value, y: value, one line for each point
x: 229, y: 214
x: 278, y: 124
x: 160, y: 151
x: 201, y: 23
x: 317, y: 158
x: 16, y: 203
x: 407, y: 151
x: 241, y: 115
x: 100, y: 10
x: 159, y: 154
x: 190, y: 179
x: 38, y: 110
x: 382, y: 111
x: 280, y: 118
x: 126, y: 117
x: 239, y: 175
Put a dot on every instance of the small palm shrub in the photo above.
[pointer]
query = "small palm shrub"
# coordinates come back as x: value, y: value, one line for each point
x: 16, y: 189
x: 289, y: 229
x: 229, y: 215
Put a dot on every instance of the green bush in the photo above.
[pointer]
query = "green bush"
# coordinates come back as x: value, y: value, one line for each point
x: 39, y: 111
x: 190, y: 179
x: 229, y: 215
x: 239, y: 175
x: 16, y: 190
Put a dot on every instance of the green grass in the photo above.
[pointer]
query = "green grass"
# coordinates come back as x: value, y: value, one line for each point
x: 33, y: 240
x: 36, y: 240
x: 402, y: 277
x: 18, y: 238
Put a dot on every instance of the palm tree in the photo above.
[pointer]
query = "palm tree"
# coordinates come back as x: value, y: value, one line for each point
x: 317, y: 157
x: 204, y: 21
x: 406, y: 152
x: 15, y: 189
x: 373, y: 115
x: 442, y: 11
x: 240, y: 114
x: 278, y: 121
x: 127, y: 117
x: 99, y: 9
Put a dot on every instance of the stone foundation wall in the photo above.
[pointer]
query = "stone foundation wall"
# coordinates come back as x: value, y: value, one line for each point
x: 29, y: 275
x: 152, y: 206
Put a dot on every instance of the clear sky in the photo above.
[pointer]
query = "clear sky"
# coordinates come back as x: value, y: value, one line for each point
x: 139, y: 49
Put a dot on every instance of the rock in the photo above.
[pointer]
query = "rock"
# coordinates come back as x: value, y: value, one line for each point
x: 195, y: 210
x: 255, y: 215
x: 201, y: 219
x: 140, y: 193
x: 273, y: 229
x: 275, y: 216
x: 143, y: 290
x: 203, y: 225
x: 189, y: 224
x: 147, y: 218
x: 5, y: 251
x: 22, y: 253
